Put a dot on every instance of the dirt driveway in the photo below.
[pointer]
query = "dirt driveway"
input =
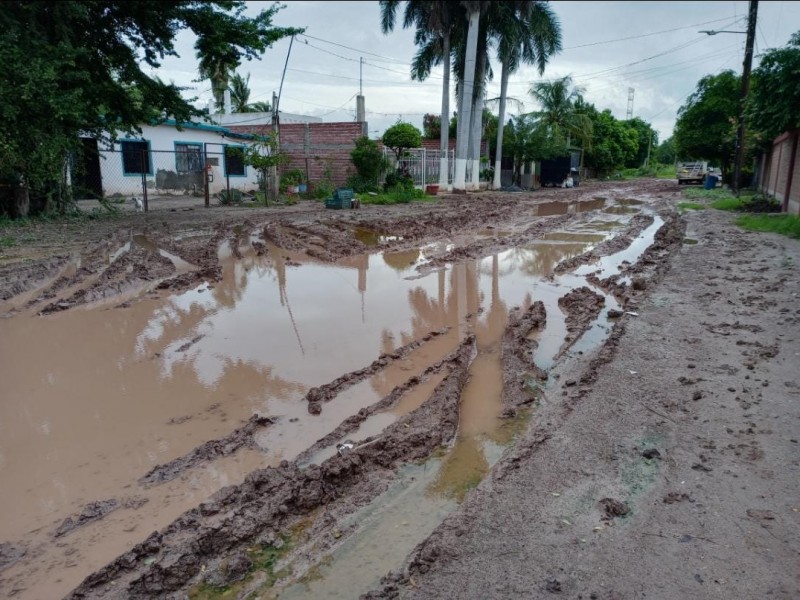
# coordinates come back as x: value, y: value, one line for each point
x: 576, y: 392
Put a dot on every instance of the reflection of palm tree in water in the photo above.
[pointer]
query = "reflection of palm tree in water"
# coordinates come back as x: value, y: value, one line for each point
x: 489, y: 330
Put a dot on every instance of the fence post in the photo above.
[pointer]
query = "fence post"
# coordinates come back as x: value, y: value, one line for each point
x: 144, y: 168
x: 206, y: 199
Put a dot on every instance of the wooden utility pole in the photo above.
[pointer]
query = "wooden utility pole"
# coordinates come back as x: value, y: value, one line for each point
x: 748, y: 63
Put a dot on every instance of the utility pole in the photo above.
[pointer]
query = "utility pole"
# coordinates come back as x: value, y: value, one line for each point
x: 748, y: 63
x: 629, y: 111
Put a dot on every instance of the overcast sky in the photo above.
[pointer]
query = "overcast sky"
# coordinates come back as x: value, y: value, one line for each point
x: 663, y: 68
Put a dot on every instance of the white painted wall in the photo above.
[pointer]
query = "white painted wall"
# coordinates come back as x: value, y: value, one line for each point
x: 162, y: 140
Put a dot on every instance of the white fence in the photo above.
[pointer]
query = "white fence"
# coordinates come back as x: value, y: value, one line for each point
x: 423, y: 165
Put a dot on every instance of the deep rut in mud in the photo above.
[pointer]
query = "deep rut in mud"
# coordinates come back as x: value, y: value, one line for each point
x: 458, y: 332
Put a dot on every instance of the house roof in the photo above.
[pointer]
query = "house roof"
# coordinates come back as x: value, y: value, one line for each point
x: 224, y: 131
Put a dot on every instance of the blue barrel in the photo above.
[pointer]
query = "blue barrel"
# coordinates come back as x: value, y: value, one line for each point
x: 711, y: 182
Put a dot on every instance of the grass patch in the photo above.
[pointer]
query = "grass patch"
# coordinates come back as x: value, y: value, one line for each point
x: 7, y: 241
x: 690, y: 206
x: 721, y: 199
x: 788, y: 225
x: 397, y: 195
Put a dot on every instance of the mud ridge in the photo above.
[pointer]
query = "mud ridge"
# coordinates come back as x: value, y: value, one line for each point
x: 616, y: 244
x: 488, y: 246
x: 137, y: 267
x: 207, y: 452
x: 327, y: 392
x: 582, y: 306
x: 521, y: 377
x: 270, y: 499
x: 387, y: 402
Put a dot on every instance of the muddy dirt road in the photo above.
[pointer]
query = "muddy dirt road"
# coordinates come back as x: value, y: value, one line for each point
x: 293, y: 403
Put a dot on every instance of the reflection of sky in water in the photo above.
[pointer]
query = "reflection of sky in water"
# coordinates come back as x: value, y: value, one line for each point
x: 321, y: 325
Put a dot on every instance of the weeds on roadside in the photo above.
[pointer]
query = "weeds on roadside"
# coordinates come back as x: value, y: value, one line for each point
x: 684, y: 206
x: 788, y: 225
x: 397, y: 195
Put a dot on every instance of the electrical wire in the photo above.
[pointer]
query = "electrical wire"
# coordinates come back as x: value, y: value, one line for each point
x: 644, y: 35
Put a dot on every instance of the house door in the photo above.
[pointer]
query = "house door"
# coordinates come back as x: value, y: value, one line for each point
x: 87, y: 181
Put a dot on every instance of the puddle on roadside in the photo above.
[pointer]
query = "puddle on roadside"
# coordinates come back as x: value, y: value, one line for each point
x: 556, y: 207
x: 89, y: 422
x: 621, y: 210
x: 370, y: 237
x: 388, y: 530
x: 609, y: 265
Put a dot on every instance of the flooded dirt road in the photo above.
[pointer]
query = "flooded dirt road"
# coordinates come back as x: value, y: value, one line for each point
x: 131, y: 373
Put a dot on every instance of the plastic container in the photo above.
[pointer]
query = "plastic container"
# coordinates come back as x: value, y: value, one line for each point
x: 711, y: 182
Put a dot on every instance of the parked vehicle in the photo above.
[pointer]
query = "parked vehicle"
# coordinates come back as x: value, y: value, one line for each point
x: 692, y: 172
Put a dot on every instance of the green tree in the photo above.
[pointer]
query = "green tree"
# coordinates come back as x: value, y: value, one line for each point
x: 528, y: 32
x: 74, y: 68
x: 665, y: 152
x: 774, y: 99
x: 402, y: 136
x: 240, y: 96
x: 561, y: 112
x: 221, y: 50
x: 526, y: 140
x: 614, y: 143
x: 434, y: 23
x: 646, y: 138
x: 706, y: 125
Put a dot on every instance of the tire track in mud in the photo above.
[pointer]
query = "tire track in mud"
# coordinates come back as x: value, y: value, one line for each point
x: 441, y: 547
x: 272, y: 499
x: 516, y: 356
x: 619, y: 242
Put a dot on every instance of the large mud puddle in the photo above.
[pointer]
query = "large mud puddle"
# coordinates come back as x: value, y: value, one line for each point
x: 94, y: 399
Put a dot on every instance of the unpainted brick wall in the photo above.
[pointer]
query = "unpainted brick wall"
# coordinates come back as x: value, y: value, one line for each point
x: 320, y: 150
x: 780, y: 168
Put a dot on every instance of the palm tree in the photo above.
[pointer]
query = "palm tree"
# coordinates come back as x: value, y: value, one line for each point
x: 240, y: 96
x: 240, y: 92
x: 217, y: 69
x: 527, y: 32
x: 474, y: 10
x: 561, y: 111
x: 434, y: 22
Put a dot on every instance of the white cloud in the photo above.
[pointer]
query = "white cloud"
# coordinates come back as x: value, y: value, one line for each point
x: 322, y: 78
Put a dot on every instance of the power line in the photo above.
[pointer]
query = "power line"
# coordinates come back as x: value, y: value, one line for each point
x: 311, y: 37
x: 644, y: 35
x: 341, y: 107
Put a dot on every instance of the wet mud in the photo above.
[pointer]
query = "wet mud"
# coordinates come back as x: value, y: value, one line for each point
x: 270, y: 499
x: 405, y: 406
x: 211, y: 450
x: 522, y: 379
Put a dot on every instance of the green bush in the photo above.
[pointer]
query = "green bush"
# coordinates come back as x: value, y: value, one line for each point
x: 360, y: 185
x: 401, y: 136
x: 398, y: 194
x: 321, y: 190
x: 369, y: 162
x: 398, y: 178
x: 233, y: 197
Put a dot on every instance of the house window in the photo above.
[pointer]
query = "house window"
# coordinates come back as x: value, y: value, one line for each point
x: 188, y: 158
x: 136, y: 157
x: 234, y: 161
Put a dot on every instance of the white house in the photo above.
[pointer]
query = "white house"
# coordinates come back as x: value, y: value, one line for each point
x: 166, y: 160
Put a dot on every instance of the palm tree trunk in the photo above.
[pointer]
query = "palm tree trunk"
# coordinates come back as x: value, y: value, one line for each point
x: 477, y: 120
x: 498, y: 161
x: 444, y: 147
x: 462, y: 141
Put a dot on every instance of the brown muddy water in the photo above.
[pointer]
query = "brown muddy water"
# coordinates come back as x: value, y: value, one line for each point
x: 93, y: 399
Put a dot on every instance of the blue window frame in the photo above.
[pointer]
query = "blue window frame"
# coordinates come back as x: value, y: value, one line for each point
x: 188, y: 157
x: 136, y: 157
x: 234, y: 161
